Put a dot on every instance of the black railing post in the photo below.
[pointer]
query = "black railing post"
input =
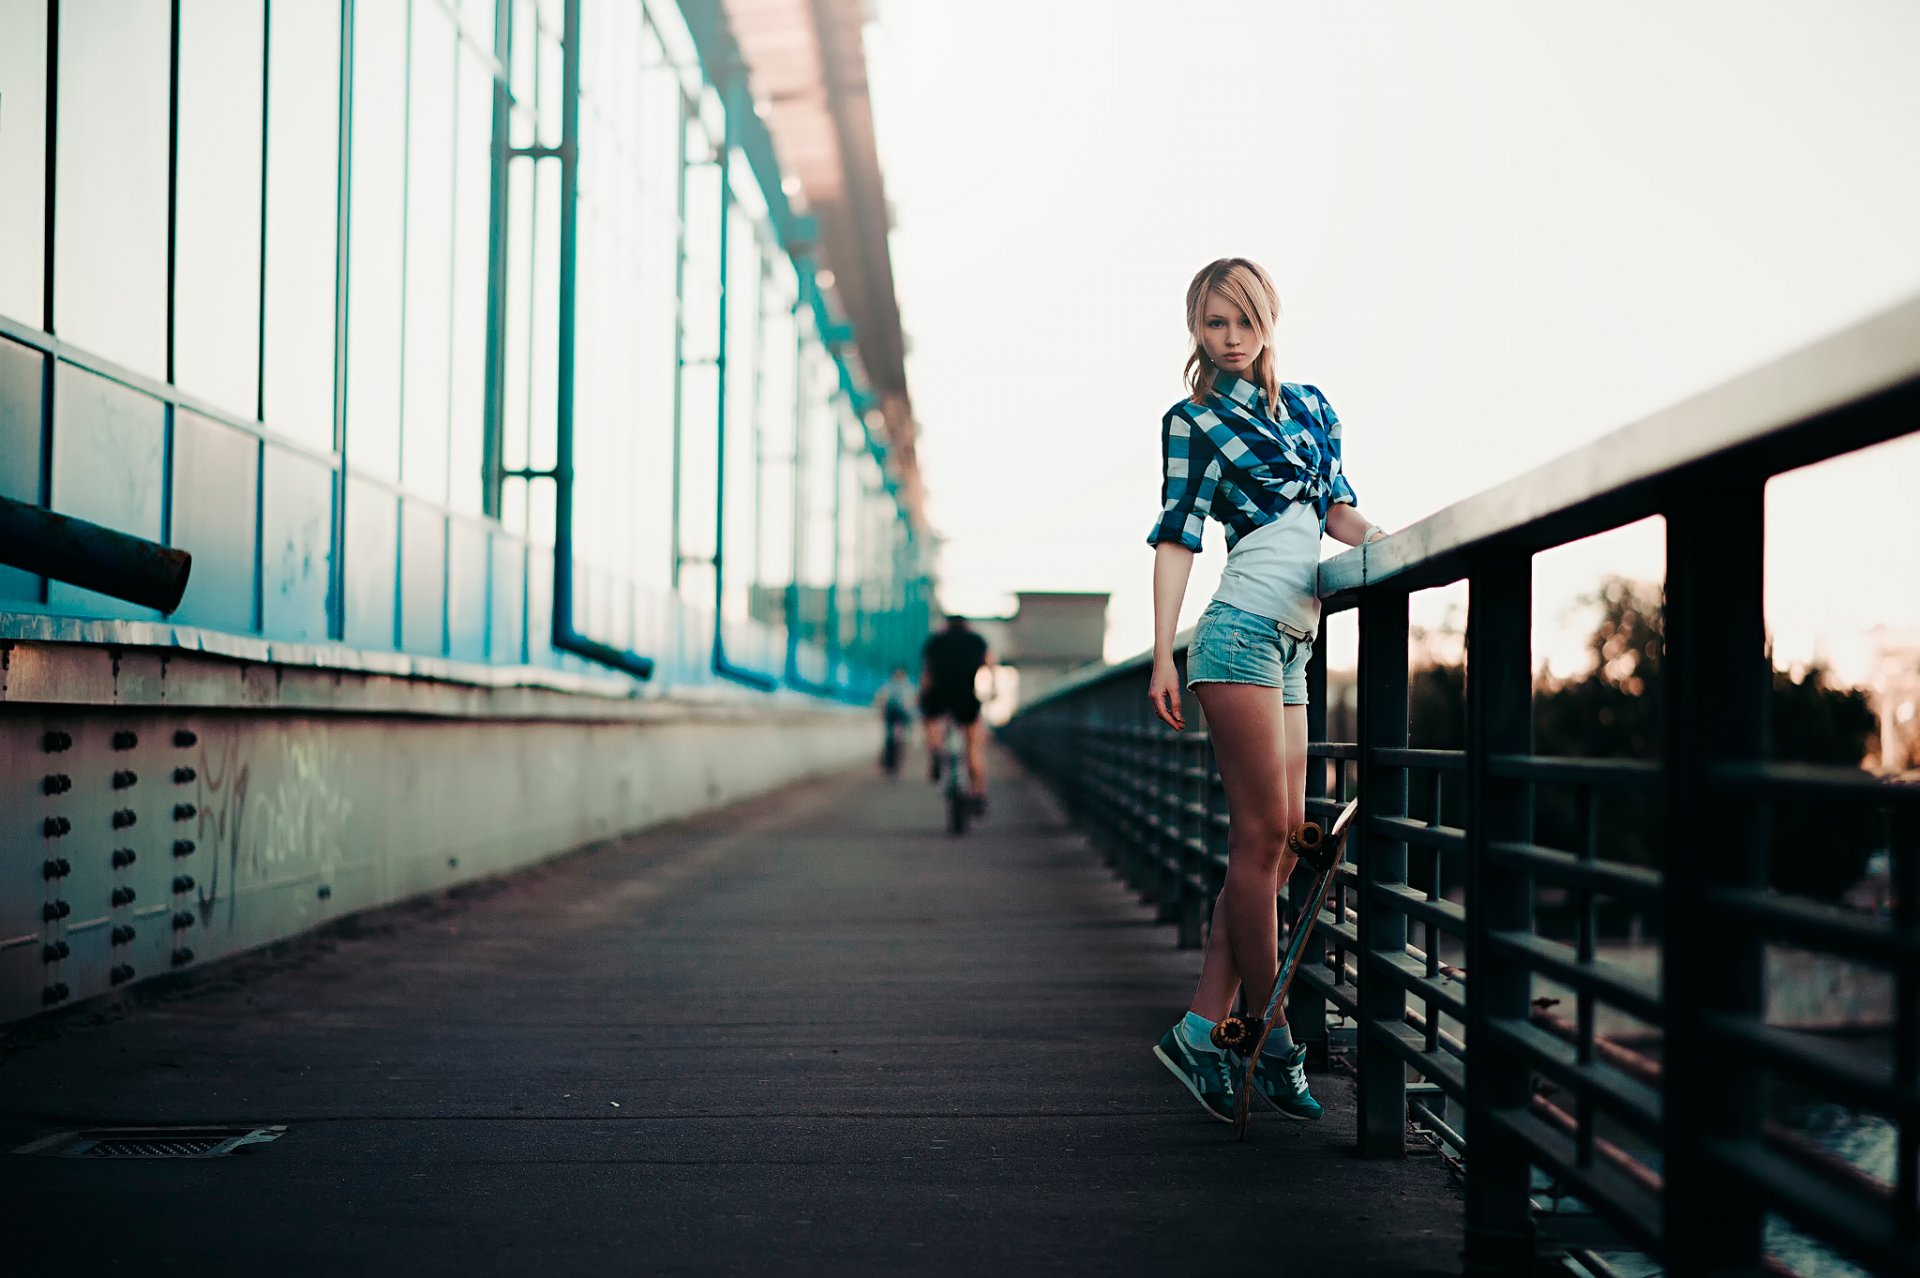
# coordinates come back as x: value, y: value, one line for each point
x: 1381, y: 1111
x: 1715, y: 691
x: 1306, y: 1009
x: 1499, y: 1233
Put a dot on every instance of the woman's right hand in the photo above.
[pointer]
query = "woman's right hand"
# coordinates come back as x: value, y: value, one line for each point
x: 1164, y: 693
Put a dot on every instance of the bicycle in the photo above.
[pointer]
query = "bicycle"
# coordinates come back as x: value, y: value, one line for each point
x: 894, y: 747
x: 960, y: 807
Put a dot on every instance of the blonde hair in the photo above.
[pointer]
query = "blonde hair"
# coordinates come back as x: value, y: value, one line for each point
x: 1243, y: 284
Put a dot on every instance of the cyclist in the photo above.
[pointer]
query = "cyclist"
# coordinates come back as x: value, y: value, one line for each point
x: 895, y: 700
x: 950, y: 660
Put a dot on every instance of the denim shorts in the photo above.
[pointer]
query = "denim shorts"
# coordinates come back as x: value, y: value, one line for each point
x: 1232, y: 645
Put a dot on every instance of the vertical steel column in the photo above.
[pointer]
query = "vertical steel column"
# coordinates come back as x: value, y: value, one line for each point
x: 493, y: 410
x: 1381, y: 1104
x: 565, y: 637
x: 342, y: 297
x: 679, y: 330
x: 1499, y: 1228
x: 1715, y: 692
x: 732, y: 101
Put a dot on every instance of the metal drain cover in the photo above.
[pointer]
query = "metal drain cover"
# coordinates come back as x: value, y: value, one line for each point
x: 151, y: 1142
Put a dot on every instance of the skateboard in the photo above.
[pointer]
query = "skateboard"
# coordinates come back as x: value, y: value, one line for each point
x: 1322, y: 849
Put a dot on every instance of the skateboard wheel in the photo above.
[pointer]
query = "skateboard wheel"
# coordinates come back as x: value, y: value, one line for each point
x: 1228, y: 1034
x: 1306, y: 837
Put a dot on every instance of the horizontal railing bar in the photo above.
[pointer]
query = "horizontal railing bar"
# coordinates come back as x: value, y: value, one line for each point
x: 1343, y: 997
x: 1410, y: 1045
x: 1333, y: 750
x: 1430, y: 760
x: 1409, y: 975
x: 1452, y: 1045
x: 1634, y: 995
x: 1844, y: 392
x: 1419, y: 833
x: 1823, y: 1208
x: 1790, y: 920
x: 1418, y: 1108
x: 1630, y: 883
x: 1811, y: 779
x: 1626, y: 1202
x: 1619, y: 1094
x: 1540, y: 767
x: 1838, y: 1078
x: 1647, y: 1071
x: 1413, y: 903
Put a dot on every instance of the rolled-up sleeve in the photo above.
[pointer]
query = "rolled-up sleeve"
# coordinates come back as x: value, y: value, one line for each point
x: 1190, y: 471
x: 1342, y: 490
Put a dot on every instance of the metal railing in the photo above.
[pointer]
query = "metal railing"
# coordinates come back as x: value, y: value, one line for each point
x: 1678, y: 1153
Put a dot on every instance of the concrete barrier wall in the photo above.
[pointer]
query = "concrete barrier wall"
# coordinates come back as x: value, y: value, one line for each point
x: 234, y: 827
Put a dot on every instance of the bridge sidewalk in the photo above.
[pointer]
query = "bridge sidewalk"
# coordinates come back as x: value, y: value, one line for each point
x: 811, y: 1032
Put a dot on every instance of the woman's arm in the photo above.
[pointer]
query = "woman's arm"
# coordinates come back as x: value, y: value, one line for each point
x: 1346, y: 523
x: 1172, y: 565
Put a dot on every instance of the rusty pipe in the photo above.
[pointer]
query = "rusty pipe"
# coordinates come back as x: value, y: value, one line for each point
x: 49, y: 544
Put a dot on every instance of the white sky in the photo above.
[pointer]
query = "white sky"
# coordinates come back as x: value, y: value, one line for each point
x: 1500, y: 229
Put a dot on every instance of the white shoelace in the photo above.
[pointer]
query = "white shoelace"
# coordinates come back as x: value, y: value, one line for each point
x: 1297, y: 1075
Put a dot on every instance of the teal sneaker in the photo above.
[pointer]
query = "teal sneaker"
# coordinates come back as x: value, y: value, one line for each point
x: 1282, y: 1081
x: 1207, y: 1073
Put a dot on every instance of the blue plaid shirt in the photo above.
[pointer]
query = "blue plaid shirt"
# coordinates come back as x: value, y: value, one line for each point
x: 1232, y: 459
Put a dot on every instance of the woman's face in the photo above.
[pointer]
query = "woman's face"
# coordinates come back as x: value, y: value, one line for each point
x: 1227, y: 336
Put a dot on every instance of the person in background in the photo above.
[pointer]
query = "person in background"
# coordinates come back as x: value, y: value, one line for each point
x: 950, y: 660
x: 895, y: 700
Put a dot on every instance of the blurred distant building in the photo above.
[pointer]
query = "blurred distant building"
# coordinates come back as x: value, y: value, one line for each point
x: 1050, y: 634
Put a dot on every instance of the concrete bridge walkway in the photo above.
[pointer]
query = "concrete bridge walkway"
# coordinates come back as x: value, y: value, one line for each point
x: 811, y: 1033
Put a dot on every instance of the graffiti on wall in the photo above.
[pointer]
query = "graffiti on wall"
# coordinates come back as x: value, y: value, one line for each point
x: 297, y: 821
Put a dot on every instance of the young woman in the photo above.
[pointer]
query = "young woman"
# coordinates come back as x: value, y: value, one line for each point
x: 1263, y: 457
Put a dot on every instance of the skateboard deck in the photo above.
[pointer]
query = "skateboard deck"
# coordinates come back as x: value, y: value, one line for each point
x: 1322, y: 849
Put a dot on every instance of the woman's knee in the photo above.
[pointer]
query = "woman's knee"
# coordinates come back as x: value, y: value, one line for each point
x: 1259, y: 849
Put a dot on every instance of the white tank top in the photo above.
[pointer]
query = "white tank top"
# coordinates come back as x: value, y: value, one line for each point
x: 1271, y: 572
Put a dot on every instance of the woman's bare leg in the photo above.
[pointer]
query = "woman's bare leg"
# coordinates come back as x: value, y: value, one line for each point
x: 1251, y: 748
